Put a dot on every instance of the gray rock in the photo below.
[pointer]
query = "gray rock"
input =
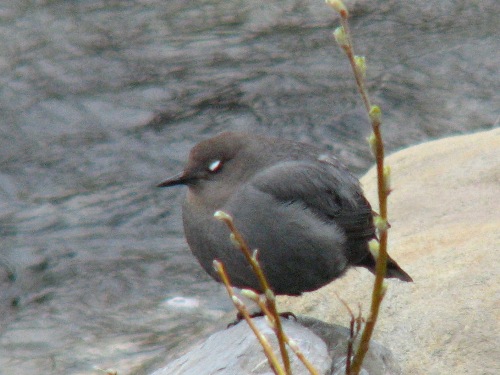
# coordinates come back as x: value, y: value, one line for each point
x: 378, y: 361
x: 237, y: 351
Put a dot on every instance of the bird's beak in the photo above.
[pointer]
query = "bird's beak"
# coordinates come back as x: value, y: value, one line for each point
x: 178, y: 179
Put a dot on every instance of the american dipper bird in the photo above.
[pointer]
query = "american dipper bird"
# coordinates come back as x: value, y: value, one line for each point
x: 300, y: 207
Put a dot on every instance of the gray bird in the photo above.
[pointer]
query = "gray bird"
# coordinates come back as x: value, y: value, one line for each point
x: 300, y: 207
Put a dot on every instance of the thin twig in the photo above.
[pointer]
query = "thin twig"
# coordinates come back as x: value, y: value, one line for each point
x: 344, y: 39
x: 270, y: 297
x: 354, y: 329
x: 267, y: 305
x: 310, y: 367
x: 295, y: 348
x: 268, y: 351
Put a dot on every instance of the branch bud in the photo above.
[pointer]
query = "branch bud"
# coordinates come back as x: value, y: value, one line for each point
x: 216, y: 265
x: 374, y: 248
x: 237, y: 302
x: 339, y: 7
x: 360, y: 62
x: 387, y: 179
x: 383, y: 289
x: 380, y: 223
x: 250, y: 294
x: 223, y: 216
x: 293, y: 344
x: 341, y: 37
x: 255, y: 254
x: 372, y: 141
x: 375, y: 114
x: 234, y: 241
x: 270, y: 295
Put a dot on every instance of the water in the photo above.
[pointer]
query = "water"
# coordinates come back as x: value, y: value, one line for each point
x: 101, y: 100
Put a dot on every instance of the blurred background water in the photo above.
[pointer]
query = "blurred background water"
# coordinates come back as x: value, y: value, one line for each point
x: 101, y: 100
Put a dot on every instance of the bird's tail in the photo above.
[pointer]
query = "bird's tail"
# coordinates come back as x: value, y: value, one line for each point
x: 394, y: 271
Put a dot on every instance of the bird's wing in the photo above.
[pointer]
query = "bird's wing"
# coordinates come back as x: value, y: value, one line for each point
x: 323, y: 187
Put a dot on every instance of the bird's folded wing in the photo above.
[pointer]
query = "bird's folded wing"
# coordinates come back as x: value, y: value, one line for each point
x: 328, y: 191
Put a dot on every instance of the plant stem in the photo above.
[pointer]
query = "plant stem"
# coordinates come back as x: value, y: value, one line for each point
x: 268, y: 351
x: 312, y: 370
x: 270, y: 297
x: 349, y: 51
x: 378, y: 292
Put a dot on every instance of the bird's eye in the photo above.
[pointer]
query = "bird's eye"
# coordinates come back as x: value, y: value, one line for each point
x: 215, y: 166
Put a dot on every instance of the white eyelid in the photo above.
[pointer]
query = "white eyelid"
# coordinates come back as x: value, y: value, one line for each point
x: 214, y: 166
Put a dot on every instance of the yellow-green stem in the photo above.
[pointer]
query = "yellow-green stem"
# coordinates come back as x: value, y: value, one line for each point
x: 381, y: 263
x: 349, y: 51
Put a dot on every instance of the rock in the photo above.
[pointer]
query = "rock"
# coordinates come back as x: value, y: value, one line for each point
x: 444, y: 232
x: 237, y: 351
x: 378, y: 361
x: 444, y: 213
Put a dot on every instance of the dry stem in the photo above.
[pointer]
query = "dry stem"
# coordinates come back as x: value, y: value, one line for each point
x: 354, y: 329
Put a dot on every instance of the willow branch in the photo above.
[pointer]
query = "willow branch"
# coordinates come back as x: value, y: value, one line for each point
x: 238, y: 239
x: 343, y: 37
x: 240, y: 306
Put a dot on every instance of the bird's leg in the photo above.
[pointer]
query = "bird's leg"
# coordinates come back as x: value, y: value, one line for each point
x: 239, y: 317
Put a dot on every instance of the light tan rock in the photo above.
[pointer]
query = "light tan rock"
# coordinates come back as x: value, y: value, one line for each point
x: 445, y: 217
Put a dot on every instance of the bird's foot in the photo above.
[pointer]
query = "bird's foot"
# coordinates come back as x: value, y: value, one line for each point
x: 240, y: 317
x: 288, y: 315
